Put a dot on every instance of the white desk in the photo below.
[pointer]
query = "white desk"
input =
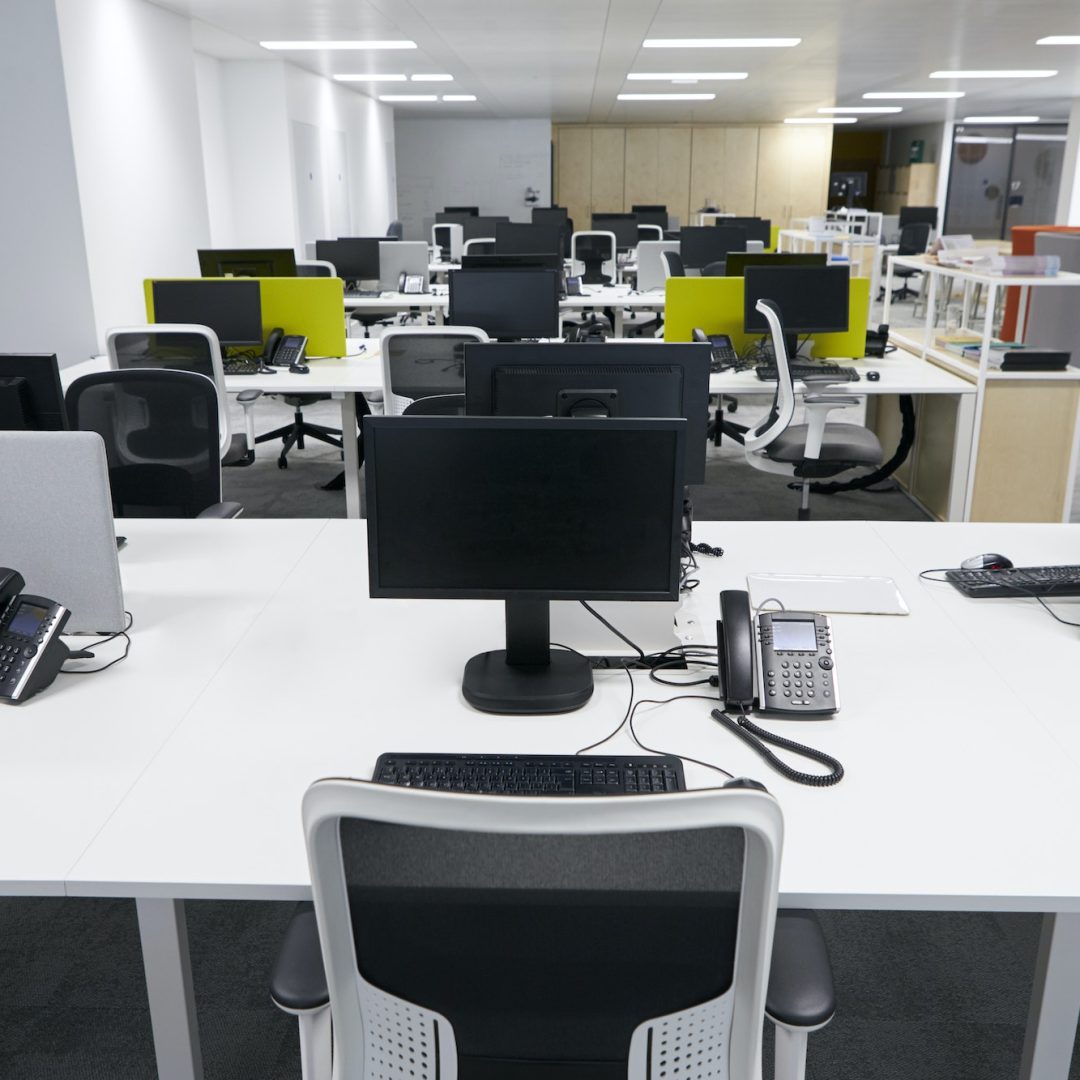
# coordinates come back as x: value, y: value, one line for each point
x: 437, y: 301
x: 933, y: 734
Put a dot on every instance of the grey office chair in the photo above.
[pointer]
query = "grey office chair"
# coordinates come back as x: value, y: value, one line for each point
x: 187, y: 347
x: 811, y: 451
x: 594, y: 256
x: 518, y: 938
x: 160, y: 429
x: 715, y: 269
x: 396, y: 229
x: 673, y: 264
x: 315, y: 268
x: 914, y: 240
x: 422, y: 362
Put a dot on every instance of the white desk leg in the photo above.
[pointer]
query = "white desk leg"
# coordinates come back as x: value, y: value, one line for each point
x: 617, y: 327
x: 1055, y: 1001
x: 352, y: 456
x: 963, y: 449
x: 167, y: 964
x: 440, y: 319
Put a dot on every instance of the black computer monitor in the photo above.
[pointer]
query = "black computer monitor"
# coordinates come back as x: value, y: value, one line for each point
x: 917, y: 215
x: 509, y: 305
x: 247, y: 262
x: 700, y: 245
x: 759, y: 229
x: 452, y: 217
x: 812, y: 299
x: 514, y: 238
x: 651, y: 214
x: 356, y: 258
x: 737, y: 261
x: 476, y: 228
x: 549, y: 215
x: 232, y: 309
x: 526, y: 511
x: 617, y: 379
x: 624, y: 226
x: 531, y: 261
x: 31, y: 397
x: 472, y: 211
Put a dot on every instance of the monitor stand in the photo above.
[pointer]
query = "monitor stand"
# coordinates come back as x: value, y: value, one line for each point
x: 528, y: 676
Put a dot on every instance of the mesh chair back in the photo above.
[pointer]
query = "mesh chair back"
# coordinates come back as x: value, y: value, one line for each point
x: 423, y: 364
x: 160, y: 430
x: 673, y: 263
x: 914, y: 238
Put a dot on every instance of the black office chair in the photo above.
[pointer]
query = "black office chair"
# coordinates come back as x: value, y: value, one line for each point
x: 506, y: 938
x: 715, y: 269
x: 396, y: 230
x: 673, y: 264
x: 914, y: 240
x: 423, y: 363
x: 438, y: 405
x: 160, y: 430
x: 315, y: 268
x: 300, y: 429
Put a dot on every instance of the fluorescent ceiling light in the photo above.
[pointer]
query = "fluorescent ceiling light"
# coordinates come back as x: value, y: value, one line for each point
x: 459, y: 97
x: 408, y: 97
x: 298, y: 45
x: 989, y: 74
x: 819, y: 120
x: 1001, y: 119
x: 862, y: 109
x: 370, y: 78
x: 684, y: 76
x: 912, y: 95
x: 1059, y: 39
x: 984, y: 140
x: 720, y: 43
x: 1024, y: 136
x: 666, y: 97
x: 432, y: 78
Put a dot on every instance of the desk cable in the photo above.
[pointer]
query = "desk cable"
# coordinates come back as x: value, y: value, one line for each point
x: 1021, y: 592
x: 85, y: 654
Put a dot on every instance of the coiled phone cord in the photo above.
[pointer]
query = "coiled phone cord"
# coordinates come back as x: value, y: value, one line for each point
x: 756, y: 737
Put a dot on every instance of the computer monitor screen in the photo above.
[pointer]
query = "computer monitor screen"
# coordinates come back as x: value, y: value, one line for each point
x: 509, y: 305
x: 476, y: 228
x: 812, y: 299
x: 549, y: 261
x: 627, y: 380
x: 513, y: 238
x: 232, y: 309
x: 737, y: 261
x: 549, y: 215
x: 759, y: 229
x: 525, y: 511
x: 624, y: 226
x: 700, y: 245
x: 651, y: 214
x: 472, y: 211
x: 451, y: 217
x: 247, y: 262
x: 31, y: 397
x: 915, y: 215
x: 356, y: 258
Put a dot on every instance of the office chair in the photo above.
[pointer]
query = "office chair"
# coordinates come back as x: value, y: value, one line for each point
x: 649, y: 232
x: 439, y: 405
x: 914, y: 240
x: 479, y: 245
x: 811, y: 451
x: 518, y: 938
x: 187, y: 347
x: 424, y: 362
x: 396, y: 229
x: 449, y: 239
x: 300, y: 429
x: 594, y: 257
x: 161, y: 435
x: 315, y: 268
x: 714, y: 269
x: 673, y: 264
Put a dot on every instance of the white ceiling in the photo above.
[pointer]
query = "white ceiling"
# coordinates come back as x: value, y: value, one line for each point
x: 568, y: 59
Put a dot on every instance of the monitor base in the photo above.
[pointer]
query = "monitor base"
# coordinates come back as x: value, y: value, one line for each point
x: 563, y: 684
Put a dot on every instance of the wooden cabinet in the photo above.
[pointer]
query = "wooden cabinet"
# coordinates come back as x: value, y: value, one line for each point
x: 906, y: 185
x: 724, y: 168
x: 573, y: 173
x: 793, y: 172
x: 608, y: 171
x: 673, y: 147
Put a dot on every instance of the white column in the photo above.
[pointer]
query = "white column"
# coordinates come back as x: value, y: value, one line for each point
x: 1068, y: 207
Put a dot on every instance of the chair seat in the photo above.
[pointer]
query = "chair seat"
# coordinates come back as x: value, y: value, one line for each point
x: 846, y: 444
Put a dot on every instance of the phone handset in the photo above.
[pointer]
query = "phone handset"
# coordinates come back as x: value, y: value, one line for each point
x: 31, y: 652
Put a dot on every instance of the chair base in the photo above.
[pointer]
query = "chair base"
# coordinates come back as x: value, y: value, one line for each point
x: 295, y: 433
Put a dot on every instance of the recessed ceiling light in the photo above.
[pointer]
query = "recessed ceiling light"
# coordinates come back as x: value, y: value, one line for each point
x: 1025, y: 136
x: 1059, y: 39
x: 459, y: 97
x: 666, y: 97
x: 913, y: 95
x: 297, y: 45
x: 983, y: 140
x: 432, y: 78
x: 819, y: 120
x: 989, y: 74
x: 862, y: 109
x: 1001, y: 119
x: 720, y: 43
x: 408, y: 97
x: 684, y: 76
x: 370, y: 78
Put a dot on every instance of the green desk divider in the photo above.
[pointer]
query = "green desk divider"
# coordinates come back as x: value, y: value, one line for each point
x: 715, y: 304
x: 774, y: 237
x: 314, y: 307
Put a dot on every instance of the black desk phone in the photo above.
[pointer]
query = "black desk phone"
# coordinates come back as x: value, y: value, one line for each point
x: 723, y: 352
x: 285, y: 350
x: 31, y: 652
x: 412, y: 284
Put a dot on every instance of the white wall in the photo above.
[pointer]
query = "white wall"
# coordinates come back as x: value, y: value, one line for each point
x: 215, y: 147
x: 485, y: 163
x: 45, y: 300
x: 130, y: 75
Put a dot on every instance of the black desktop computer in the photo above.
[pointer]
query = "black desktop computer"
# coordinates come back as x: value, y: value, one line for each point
x: 737, y: 261
x: 31, y: 397
x: 355, y: 258
x: 526, y: 511
x: 232, y: 309
x: 811, y: 299
x: 514, y: 238
x: 624, y: 226
x: 507, y: 305
x: 247, y: 262
x: 701, y: 245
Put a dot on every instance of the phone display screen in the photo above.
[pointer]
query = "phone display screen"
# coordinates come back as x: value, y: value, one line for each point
x: 794, y: 635
x: 27, y: 619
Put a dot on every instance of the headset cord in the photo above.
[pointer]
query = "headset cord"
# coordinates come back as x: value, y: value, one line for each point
x: 756, y: 737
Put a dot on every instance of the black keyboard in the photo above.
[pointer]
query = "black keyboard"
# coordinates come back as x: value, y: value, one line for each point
x: 367, y: 293
x: 767, y: 372
x: 241, y: 367
x: 1017, y: 581
x: 532, y: 774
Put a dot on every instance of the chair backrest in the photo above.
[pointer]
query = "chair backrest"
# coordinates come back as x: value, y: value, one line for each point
x: 914, y: 238
x: 439, y: 405
x: 649, y: 232
x: 396, y: 229
x: 480, y: 245
x: 160, y: 430
x: 504, y: 937
x: 423, y: 361
x: 714, y: 269
x: 783, y: 406
x: 650, y: 266
x: 173, y: 347
x: 673, y: 264
x: 315, y: 268
x: 594, y: 239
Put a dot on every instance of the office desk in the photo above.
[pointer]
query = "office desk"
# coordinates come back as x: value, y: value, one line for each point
x: 933, y: 736
x: 436, y: 301
x: 620, y: 298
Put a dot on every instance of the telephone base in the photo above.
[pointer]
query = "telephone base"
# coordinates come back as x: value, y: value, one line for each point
x: 563, y: 684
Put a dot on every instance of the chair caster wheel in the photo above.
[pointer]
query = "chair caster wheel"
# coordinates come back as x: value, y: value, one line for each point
x: 282, y: 463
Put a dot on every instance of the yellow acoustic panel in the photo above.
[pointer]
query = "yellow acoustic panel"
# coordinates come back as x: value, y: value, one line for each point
x: 314, y: 307
x: 774, y: 237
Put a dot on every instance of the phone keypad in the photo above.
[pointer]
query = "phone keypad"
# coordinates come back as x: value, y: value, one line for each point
x: 798, y: 680
x: 17, y: 652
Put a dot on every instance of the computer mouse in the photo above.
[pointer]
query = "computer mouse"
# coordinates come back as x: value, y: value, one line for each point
x: 873, y: 376
x: 299, y: 369
x: 990, y: 561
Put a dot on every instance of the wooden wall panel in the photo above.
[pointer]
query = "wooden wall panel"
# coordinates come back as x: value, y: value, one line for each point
x: 740, y: 170
x: 774, y: 169
x: 673, y: 171
x: 574, y: 173
x: 811, y: 161
x: 641, y: 167
x: 707, y: 168
x: 608, y: 169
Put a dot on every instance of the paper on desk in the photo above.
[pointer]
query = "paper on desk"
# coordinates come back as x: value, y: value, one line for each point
x: 828, y: 594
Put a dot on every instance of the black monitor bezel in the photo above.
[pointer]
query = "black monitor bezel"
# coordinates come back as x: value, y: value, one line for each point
x: 559, y: 213
x: 210, y: 260
x: 45, y: 384
x: 704, y: 234
x: 530, y: 261
x: 371, y: 243
x: 551, y: 329
x: 507, y: 233
x: 651, y: 214
x: 470, y: 211
x: 482, y: 226
x: 754, y: 322
x: 250, y: 286
x: 762, y: 226
x: 772, y: 258
x: 630, y: 221
x: 373, y: 424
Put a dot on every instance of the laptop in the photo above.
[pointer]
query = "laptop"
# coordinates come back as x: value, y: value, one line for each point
x: 56, y: 525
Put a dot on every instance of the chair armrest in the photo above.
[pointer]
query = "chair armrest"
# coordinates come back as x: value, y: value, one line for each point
x: 836, y: 400
x: 298, y: 982
x: 801, y: 992
x: 222, y: 510
x: 247, y: 397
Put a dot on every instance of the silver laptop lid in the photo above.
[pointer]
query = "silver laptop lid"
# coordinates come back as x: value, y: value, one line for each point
x: 56, y: 524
